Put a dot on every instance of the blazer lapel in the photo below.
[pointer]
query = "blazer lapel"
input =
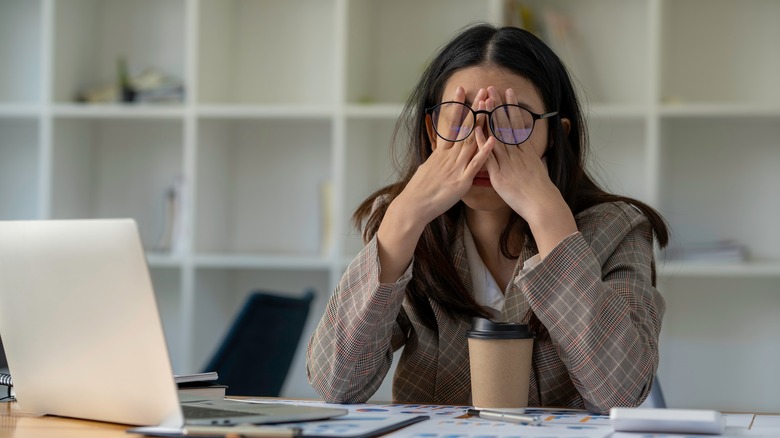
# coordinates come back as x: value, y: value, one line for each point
x: 453, y: 381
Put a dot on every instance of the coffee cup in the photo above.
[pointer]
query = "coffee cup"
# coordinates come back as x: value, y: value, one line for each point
x: 500, y: 359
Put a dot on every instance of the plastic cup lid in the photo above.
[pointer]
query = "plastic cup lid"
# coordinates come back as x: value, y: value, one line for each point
x: 482, y: 328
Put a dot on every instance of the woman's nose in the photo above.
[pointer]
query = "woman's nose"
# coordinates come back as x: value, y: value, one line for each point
x: 482, y: 123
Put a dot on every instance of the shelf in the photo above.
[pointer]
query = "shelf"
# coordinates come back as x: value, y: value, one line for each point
x: 719, y: 182
x: 374, y: 111
x: 19, y: 170
x: 118, y: 111
x: 19, y: 110
x: 370, y: 162
x: 746, y: 269
x: 255, y: 111
x: 730, y: 56
x: 597, y: 41
x: 167, y: 285
x: 92, y: 35
x: 737, y: 109
x: 20, y: 48
x: 239, y: 58
x: 617, y: 161
x: 270, y: 261
x: 377, y: 71
x: 260, y: 185
x: 615, y: 111
x: 157, y: 259
x: 107, y: 168
x: 220, y: 292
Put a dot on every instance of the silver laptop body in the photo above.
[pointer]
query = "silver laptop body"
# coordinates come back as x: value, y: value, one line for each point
x: 82, y: 333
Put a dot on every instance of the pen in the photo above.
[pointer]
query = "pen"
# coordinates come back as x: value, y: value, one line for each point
x: 511, y: 417
x: 247, y: 431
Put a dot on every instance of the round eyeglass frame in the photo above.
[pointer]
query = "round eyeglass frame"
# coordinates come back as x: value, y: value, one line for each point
x: 489, y: 114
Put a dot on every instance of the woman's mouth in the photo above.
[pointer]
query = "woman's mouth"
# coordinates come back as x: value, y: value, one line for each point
x: 482, y: 179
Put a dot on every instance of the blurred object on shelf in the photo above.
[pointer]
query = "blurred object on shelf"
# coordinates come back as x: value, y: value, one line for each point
x: 148, y: 86
x: 366, y: 99
x: 101, y: 94
x: 519, y: 14
x: 559, y: 31
x: 154, y: 86
x: 673, y: 99
x: 720, y: 252
x: 126, y: 88
x: 170, y: 237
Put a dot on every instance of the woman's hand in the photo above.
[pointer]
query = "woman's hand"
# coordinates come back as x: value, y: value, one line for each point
x: 445, y: 177
x: 440, y: 182
x: 519, y: 175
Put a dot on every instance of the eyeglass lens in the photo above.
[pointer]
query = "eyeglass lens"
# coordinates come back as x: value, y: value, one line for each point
x: 510, y: 124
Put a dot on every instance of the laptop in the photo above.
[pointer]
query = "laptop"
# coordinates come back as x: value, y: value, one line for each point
x: 83, y: 336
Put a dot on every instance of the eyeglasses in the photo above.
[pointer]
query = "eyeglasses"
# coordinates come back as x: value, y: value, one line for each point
x: 510, y: 124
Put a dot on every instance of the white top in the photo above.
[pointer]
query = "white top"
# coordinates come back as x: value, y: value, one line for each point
x: 486, y: 290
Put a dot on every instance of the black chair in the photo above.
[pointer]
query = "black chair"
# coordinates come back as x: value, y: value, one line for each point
x: 657, y: 395
x: 258, y: 349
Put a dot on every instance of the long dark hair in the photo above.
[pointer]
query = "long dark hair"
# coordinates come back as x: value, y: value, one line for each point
x: 526, y: 55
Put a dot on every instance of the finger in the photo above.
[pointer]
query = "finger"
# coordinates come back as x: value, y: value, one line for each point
x: 476, y: 123
x: 487, y: 145
x: 451, y: 119
x: 510, y: 97
x: 493, y: 93
x: 521, y: 121
x: 467, y: 149
x: 467, y: 119
x: 459, y: 94
x: 481, y: 95
x: 500, y: 118
x: 491, y: 164
x: 479, y: 99
x: 481, y: 158
x: 511, y: 117
x: 499, y: 149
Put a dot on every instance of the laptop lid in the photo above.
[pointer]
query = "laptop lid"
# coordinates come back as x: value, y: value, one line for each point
x: 82, y: 333
x: 79, y: 322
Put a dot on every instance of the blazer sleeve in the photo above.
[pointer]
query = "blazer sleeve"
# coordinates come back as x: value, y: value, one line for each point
x: 596, y: 296
x: 351, y: 350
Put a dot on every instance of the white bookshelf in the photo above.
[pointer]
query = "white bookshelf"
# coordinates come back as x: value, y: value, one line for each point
x: 286, y: 97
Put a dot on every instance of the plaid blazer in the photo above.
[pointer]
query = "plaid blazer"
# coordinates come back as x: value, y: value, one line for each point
x: 594, y: 296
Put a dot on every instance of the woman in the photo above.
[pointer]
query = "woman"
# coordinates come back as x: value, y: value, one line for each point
x: 495, y: 216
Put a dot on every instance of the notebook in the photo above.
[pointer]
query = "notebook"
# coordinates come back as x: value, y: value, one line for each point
x: 83, y: 336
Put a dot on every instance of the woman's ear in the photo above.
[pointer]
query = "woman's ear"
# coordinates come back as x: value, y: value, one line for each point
x: 566, y: 125
x: 431, y: 132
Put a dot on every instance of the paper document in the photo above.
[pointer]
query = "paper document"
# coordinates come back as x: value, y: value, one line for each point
x: 453, y: 421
